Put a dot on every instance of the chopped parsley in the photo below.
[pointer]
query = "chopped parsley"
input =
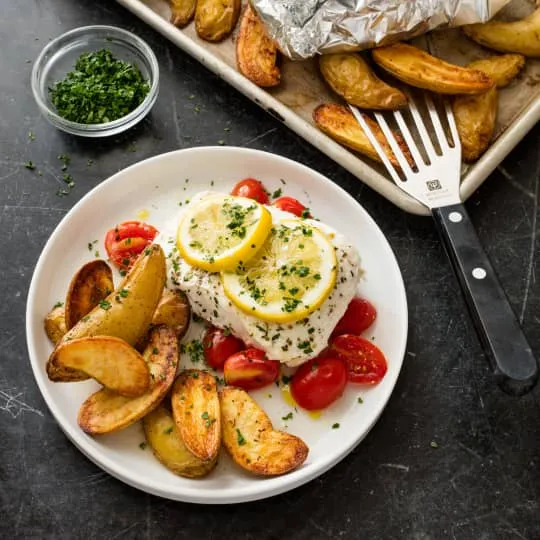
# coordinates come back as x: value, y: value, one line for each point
x: 104, y: 304
x: 100, y: 89
x: 58, y: 304
x: 277, y: 193
x: 240, y: 438
x: 194, y: 349
x: 168, y: 431
x: 287, y: 417
x: 123, y: 293
x: 434, y: 444
x: 30, y: 165
x: 335, y: 426
x: 360, y: 400
x: 142, y: 445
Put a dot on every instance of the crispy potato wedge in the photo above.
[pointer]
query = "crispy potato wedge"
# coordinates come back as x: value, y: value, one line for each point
x: 109, y: 360
x: 92, y: 283
x: 521, y: 36
x: 502, y: 68
x: 249, y: 437
x: 173, y: 310
x: 55, y: 324
x: 216, y: 19
x: 167, y: 445
x: 182, y: 11
x: 339, y: 123
x: 475, y: 121
x: 106, y: 411
x: 195, y: 407
x: 126, y: 313
x: 422, y: 70
x: 350, y: 76
x: 256, y: 53
x: 476, y: 116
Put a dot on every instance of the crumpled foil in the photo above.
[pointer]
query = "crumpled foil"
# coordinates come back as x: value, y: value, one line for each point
x: 304, y: 28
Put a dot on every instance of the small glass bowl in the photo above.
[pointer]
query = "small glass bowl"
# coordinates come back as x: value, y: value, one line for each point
x: 59, y: 57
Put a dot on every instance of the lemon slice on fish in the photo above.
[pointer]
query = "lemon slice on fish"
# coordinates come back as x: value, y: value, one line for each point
x: 289, y: 277
x: 221, y: 231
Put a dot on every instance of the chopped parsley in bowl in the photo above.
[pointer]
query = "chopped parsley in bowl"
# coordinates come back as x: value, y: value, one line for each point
x: 96, y: 81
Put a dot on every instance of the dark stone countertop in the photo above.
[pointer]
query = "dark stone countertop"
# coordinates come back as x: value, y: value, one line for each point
x: 483, y: 480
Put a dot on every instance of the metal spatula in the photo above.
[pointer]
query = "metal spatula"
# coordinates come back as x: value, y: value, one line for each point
x: 434, y: 181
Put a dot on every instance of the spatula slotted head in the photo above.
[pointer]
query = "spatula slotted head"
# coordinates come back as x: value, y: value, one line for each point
x: 434, y: 177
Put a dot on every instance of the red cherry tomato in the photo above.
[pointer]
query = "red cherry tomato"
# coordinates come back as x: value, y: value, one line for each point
x: 294, y: 206
x: 319, y: 382
x: 125, y: 242
x: 365, y: 361
x: 252, y: 189
x: 250, y: 369
x: 359, y: 316
x: 219, y: 345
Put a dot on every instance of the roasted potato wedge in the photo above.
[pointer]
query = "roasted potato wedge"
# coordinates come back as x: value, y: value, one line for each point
x: 339, y: 123
x: 422, y: 70
x: 166, y: 442
x: 475, y: 121
x: 502, y: 68
x: 55, y: 324
x: 182, y: 12
x: 249, y: 437
x: 521, y: 36
x: 92, y: 283
x: 256, y: 53
x: 106, y: 411
x: 216, y: 19
x: 350, y: 76
x: 109, y: 360
x: 476, y: 115
x: 195, y: 407
x: 173, y: 310
x: 126, y: 313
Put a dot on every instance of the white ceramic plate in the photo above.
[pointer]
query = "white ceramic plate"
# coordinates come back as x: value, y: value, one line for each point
x: 153, y: 189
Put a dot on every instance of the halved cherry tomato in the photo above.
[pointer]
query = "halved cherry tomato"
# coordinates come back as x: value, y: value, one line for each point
x: 365, y: 361
x: 125, y: 242
x: 292, y: 205
x: 252, y: 189
x: 218, y: 345
x: 359, y: 316
x: 250, y: 369
x: 319, y: 382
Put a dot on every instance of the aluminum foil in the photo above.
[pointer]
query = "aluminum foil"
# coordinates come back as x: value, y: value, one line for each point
x: 304, y: 28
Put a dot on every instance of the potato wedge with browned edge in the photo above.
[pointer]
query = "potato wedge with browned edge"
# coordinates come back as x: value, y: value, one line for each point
x: 256, y: 53
x: 422, y: 70
x: 502, y: 68
x: 350, y: 76
x: 106, y: 411
x: 126, y: 313
x: 55, y: 324
x: 216, y: 19
x: 476, y: 115
x: 182, y: 12
x: 92, y: 283
x: 167, y: 445
x: 339, y: 123
x: 109, y: 360
x: 522, y: 36
x: 195, y: 407
x: 251, y: 440
x: 173, y: 310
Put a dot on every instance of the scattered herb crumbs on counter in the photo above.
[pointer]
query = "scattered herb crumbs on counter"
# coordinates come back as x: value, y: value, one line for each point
x: 89, y: 162
x: 142, y: 445
x: 335, y: 426
x: 434, y: 444
x: 132, y: 148
x: 30, y: 165
x: 31, y: 136
x: 62, y: 192
x: 226, y: 129
x: 100, y: 89
x: 197, y: 109
x: 221, y: 142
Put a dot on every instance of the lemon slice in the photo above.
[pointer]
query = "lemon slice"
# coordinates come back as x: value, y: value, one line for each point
x: 219, y: 232
x: 289, y: 277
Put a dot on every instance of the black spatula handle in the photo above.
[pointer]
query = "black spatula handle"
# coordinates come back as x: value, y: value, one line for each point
x: 509, y: 354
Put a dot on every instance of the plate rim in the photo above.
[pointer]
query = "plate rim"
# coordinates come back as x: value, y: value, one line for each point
x: 278, y: 485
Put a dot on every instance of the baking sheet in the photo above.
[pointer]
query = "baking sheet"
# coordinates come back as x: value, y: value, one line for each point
x: 302, y: 89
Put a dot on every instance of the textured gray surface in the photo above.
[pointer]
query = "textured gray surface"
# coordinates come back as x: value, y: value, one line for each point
x: 483, y: 480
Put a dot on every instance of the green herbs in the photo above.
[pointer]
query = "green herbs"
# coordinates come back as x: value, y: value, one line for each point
x: 240, y: 438
x: 100, y: 89
x: 335, y: 426
x: 58, y: 304
x: 30, y: 165
x: 194, y: 349
x: 105, y: 305
x: 208, y: 419
x: 287, y: 417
